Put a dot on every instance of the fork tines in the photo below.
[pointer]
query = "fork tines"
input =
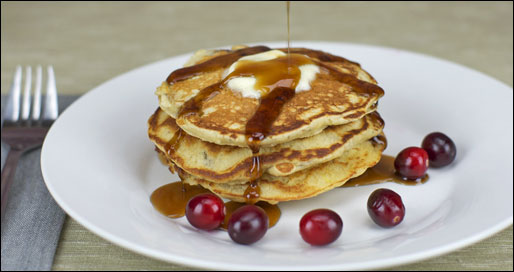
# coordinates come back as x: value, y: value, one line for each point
x: 35, y: 115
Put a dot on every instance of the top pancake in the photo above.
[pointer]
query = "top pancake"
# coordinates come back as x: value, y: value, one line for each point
x: 222, y: 118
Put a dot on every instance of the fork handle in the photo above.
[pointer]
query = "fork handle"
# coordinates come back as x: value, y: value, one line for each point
x: 8, y: 175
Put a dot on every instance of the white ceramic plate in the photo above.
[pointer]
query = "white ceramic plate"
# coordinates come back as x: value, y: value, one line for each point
x: 101, y: 168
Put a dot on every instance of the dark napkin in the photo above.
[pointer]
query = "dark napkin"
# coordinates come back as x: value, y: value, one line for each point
x: 32, y: 221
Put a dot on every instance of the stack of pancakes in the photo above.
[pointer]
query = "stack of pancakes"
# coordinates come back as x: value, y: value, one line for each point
x: 321, y: 138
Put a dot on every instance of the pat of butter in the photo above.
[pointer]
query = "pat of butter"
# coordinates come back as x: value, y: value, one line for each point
x: 246, y: 85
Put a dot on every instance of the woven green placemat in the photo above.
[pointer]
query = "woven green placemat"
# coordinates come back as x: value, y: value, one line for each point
x: 80, y: 249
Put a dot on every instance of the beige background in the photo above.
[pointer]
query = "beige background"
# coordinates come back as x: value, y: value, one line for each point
x: 89, y: 43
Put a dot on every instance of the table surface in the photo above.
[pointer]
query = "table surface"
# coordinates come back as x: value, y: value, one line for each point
x: 89, y: 43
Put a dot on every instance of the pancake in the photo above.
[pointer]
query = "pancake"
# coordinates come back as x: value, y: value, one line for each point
x: 341, y: 93
x: 306, y: 183
x: 230, y: 164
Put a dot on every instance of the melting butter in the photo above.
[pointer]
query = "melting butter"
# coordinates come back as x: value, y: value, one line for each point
x: 256, y: 75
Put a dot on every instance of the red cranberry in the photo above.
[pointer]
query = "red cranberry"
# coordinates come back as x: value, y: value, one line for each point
x: 321, y: 227
x: 205, y: 211
x: 386, y: 208
x: 248, y: 224
x: 440, y: 149
x: 411, y: 163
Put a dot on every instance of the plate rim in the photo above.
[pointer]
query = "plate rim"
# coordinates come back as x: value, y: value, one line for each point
x: 199, y: 263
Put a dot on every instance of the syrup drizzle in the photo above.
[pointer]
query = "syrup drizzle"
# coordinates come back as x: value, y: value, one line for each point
x: 365, y: 88
x: 257, y: 128
x: 213, y: 64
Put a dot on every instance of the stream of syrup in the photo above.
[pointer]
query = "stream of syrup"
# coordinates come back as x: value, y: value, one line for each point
x: 288, y: 4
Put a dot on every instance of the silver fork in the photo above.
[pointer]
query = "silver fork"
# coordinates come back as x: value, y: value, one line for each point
x: 21, y: 130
